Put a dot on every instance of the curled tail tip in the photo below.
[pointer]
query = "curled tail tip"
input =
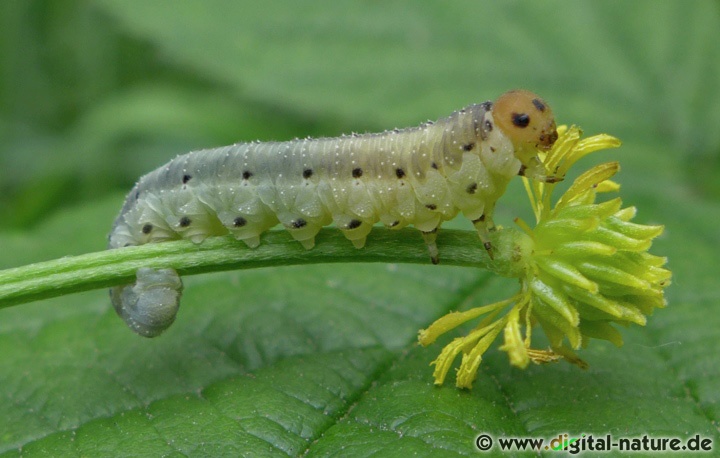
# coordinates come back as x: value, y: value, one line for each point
x: 150, y: 305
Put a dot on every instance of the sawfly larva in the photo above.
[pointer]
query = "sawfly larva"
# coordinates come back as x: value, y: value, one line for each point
x: 418, y: 176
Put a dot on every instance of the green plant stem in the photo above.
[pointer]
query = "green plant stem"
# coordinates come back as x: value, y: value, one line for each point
x: 113, y: 267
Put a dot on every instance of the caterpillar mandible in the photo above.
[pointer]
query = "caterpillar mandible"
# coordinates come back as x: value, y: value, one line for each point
x: 418, y: 176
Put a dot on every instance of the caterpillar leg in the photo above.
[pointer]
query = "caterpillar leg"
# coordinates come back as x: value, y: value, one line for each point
x: 354, y: 229
x: 484, y: 225
x: 536, y: 171
x: 150, y: 305
x: 430, y: 238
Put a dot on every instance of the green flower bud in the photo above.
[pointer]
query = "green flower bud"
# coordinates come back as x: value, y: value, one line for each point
x: 585, y: 268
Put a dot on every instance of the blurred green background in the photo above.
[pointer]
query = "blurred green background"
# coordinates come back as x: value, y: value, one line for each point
x: 95, y: 93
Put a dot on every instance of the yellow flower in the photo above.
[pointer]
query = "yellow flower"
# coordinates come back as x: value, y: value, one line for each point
x: 589, y: 269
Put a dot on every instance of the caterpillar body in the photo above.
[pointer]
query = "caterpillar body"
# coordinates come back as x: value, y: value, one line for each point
x: 418, y: 176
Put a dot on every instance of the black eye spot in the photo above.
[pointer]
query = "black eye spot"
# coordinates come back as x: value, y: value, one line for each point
x: 357, y: 173
x: 146, y: 229
x: 400, y: 173
x: 472, y: 187
x: 239, y: 221
x: 394, y: 223
x: 468, y: 147
x: 521, y: 120
x: 538, y: 104
x: 298, y: 223
x: 431, y: 206
x: 307, y: 173
x: 246, y: 175
x: 185, y: 221
x: 354, y: 224
x: 186, y: 178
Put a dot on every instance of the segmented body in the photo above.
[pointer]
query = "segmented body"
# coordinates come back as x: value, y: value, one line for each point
x: 418, y: 176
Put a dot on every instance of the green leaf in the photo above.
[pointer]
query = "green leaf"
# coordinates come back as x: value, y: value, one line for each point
x: 323, y: 360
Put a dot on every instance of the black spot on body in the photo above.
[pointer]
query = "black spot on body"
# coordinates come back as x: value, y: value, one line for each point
x: 354, y: 224
x: 185, y: 221
x: 298, y: 223
x: 488, y: 125
x: 400, y: 173
x: 137, y: 195
x: 492, y: 149
x: 479, y: 220
x: 472, y: 187
x: 357, y: 172
x: 307, y: 173
x: 538, y: 104
x: 431, y: 206
x: 146, y: 229
x: 186, y: 178
x: 246, y: 175
x: 394, y: 223
x: 521, y: 172
x: 434, y: 165
x: 487, y: 105
x: 468, y: 147
x: 521, y: 120
x: 239, y: 221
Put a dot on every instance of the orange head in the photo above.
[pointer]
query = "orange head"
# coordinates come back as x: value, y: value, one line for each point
x: 526, y: 119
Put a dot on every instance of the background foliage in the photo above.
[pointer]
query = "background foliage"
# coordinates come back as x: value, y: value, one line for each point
x: 311, y: 360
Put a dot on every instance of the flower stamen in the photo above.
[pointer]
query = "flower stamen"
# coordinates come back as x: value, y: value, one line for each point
x: 588, y: 269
